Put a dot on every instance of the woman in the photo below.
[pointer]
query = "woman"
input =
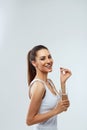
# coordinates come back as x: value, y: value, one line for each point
x: 45, y: 101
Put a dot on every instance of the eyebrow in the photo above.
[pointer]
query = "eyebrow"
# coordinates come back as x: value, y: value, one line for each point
x: 44, y: 56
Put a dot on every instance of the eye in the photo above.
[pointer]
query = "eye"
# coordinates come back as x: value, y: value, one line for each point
x: 49, y: 56
x: 42, y: 58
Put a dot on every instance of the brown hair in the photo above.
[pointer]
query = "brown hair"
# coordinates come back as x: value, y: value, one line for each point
x: 31, y: 57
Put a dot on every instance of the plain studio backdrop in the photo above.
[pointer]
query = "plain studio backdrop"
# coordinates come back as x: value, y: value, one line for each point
x: 62, y: 27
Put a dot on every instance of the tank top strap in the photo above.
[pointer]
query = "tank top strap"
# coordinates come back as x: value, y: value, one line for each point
x: 50, y: 81
x: 35, y: 80
x: 52, y: 84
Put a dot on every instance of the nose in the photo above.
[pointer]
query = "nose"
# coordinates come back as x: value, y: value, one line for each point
x: 49, y: 60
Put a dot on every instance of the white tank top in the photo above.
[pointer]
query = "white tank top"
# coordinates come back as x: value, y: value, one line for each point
x: 48, y: 102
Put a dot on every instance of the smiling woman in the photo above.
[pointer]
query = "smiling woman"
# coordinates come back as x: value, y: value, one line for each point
x: 44, y: 61
x: 45, y: 101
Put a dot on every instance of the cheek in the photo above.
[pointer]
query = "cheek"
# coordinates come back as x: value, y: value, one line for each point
x: 40, y: 64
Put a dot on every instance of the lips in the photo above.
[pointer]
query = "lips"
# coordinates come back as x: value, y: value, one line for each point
x: 49, y: 66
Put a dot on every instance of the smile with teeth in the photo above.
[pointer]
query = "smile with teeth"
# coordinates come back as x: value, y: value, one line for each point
x: 48, y: 66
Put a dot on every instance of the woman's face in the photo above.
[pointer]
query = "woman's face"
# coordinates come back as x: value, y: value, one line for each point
x: 43, y: 61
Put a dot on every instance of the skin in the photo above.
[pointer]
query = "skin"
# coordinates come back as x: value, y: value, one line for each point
x: 43, y: 65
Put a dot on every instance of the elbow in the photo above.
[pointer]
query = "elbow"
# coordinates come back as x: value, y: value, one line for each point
x: 29, y: 122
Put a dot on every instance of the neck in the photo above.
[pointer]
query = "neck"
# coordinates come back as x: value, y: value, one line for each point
x: 42, y: 76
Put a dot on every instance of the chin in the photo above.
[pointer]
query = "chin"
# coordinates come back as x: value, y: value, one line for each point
x: 50, y: 70
x: 47, y: 70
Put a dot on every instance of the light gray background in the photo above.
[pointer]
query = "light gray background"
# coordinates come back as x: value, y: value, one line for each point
x: 62, y: 27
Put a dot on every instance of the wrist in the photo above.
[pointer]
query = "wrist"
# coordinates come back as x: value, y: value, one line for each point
x: 64, y: 96
x: 63, y: 85
x: 63, y: 89
x: 63, y: 92
x: 55, y: 111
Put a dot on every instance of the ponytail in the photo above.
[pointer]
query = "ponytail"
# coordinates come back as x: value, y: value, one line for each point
x: 31, y: 71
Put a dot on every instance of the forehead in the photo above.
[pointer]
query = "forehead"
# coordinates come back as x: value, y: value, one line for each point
x: 43, y: 52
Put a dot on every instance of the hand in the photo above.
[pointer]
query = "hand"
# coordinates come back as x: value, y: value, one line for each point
x: 64, y: 75
x: 62, y: 106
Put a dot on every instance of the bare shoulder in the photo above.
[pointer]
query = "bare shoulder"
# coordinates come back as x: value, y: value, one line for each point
x: 38, y: 88
x: 37, y: 91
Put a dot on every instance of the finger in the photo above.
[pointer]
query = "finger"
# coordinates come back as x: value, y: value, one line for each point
x: 66, y: 100
x: 68, y: 71
x: 65, y: 69
x: 66, y: 104
x: 65, y: 109
x: 62, y: 71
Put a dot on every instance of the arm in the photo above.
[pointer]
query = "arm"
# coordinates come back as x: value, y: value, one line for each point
x: 33, y: 116
x: 64, y: 75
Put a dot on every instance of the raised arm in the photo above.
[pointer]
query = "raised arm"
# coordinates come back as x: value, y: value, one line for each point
x: 64, y: 75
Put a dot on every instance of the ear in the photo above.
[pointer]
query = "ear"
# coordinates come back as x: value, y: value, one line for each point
x: 33, y: 63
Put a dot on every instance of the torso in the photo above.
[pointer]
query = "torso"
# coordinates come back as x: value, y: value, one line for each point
x: 49, y: 101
